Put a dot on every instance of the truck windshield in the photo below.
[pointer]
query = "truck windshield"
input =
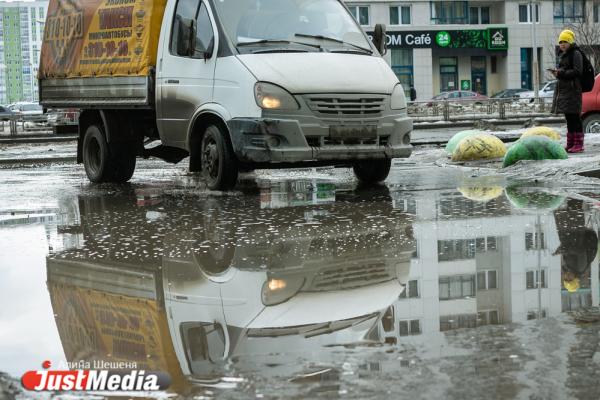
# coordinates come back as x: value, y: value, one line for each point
x: 275, y: 21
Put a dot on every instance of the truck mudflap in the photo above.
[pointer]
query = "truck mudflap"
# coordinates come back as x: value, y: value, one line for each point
x: 283, y: 141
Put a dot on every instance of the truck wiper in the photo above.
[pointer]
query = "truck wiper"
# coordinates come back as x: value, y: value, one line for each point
x: 277, y: 41
x: 334, y: 40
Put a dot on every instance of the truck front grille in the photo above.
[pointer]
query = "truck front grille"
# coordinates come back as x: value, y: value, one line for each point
x: 346, y: 107
x: 351, y: 276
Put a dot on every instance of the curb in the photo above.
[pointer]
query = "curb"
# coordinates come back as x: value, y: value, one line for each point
x: 37, y: 139
x: 470, y: 123
x: 38, y: 160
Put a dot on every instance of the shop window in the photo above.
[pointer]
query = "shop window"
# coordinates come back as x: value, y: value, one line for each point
x: 569, y: 11
x: 449, y: 12
x: 525, y: 15
x: 534, y: 278
x: 400, y: 15
x: 448, y: 73
x: 479, y: 15
x: 457, y: 287
x: 361, y: 14
x: 402, y: 65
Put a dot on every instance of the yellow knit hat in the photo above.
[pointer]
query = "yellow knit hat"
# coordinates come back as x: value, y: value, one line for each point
x: 567, y: 36
x: 572, y: 285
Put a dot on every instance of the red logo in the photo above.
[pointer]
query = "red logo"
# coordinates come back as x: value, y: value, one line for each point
x: 94, y: 380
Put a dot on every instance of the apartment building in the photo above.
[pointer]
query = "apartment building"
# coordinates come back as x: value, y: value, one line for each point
x: 21, y: 34
x: 484, y: 45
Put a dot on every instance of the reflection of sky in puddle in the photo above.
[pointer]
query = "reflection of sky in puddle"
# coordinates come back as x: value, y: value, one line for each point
x: 304, y: 281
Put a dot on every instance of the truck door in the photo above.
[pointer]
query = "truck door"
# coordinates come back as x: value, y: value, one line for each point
x: 186, y: 70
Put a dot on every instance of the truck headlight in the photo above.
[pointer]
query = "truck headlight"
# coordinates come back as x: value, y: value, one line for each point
x: 277, y: 291
x: 398, y: 98
x: 273, y: 97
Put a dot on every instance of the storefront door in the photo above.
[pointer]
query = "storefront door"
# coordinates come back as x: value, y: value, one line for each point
x: 526, y: 69
x: 478, y: 75
x: 448, y: 74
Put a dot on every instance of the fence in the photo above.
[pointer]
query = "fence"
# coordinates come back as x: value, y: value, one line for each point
x: 445, y: 110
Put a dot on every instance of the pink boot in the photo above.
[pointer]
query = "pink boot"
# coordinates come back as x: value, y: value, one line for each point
x: 570, y: 141
x: 577, y: 144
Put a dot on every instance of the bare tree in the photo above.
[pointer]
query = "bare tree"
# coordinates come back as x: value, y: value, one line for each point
x: 587, y: 36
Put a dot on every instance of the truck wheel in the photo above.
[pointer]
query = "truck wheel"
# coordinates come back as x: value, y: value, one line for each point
x: 96, y: 155
x: 103, y: 163
x: 591, y: 124
x: 219, y: 165
x: 122, y: 162
x: 372, y: 171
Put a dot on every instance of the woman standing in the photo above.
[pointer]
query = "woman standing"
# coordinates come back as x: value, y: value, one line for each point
x: 567, y: 95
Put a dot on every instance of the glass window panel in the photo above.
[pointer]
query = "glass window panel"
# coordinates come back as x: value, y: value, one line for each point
x: 473, y: 15
x: 364, y: 15
x: 413, y: 291
x: 394, y: 17
x: 415, y: 327
x: 543, y: 279
x: 480, y: 244
x: 485, y: 15
x: 468, y: 287
x: 491, y: 243
x: 529, y: 277
x: 481, y: 281
x: 403, y: 328
x: 354, y: 12
x: 523, y: 13
x: 482, y: 318
x: 405, y: 15
x: 492, y: 280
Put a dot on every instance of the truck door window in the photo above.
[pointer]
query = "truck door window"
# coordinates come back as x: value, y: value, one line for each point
x: 193, y: 12
x: 186, y: 11
x: 204, y: 34
x: 203, y: 342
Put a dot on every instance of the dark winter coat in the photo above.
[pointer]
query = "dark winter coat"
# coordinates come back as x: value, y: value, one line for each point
x: 567, y: 95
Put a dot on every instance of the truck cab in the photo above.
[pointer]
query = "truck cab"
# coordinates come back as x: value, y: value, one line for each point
x: 238, y: 85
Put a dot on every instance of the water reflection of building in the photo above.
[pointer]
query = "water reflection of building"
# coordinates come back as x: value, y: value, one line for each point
x: 477, y: 263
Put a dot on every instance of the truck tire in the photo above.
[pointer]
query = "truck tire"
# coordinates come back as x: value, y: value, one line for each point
x: 103, y: 163
x: 372, y: 171
x: 591, y: 124
x: 219, y: 165
x: 96, y: 155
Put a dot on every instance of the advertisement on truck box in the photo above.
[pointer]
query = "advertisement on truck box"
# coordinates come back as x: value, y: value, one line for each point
x: 96, y: 38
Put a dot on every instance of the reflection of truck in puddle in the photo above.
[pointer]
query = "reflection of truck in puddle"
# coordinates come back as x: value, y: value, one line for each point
x: 298, y: 286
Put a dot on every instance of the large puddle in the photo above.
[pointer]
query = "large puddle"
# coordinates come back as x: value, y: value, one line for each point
x: 307, y: 288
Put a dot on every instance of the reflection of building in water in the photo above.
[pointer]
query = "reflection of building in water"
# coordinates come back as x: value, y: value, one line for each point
x: 477, y: 264
x: 296, y: 193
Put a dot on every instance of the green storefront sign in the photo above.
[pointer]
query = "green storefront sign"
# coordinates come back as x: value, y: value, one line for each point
x: 465, y: 84
x: 489, y: 39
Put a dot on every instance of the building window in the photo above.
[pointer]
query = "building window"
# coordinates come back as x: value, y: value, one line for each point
x: 400, y: 15
x: 411, y: 291
x: 387, y: 321
x: 531, y: 240
x: 487, y: 279
x: 534, y: 278
x: 525, y: 16
x: 361, y: 14
x: 402, y: 65
x: 460, y: 249
x: 410, y: 327
x: 450, y: 322
x: 596, y: 13
x: 457, y: 287
x: 535, y: 314
x: 568, y: 11
x: 449, y: 12
x: 488, y: 318
x: 479, y: 15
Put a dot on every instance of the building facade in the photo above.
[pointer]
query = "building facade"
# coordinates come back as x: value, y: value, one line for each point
x: 21, y: 34
x: 485, y: 46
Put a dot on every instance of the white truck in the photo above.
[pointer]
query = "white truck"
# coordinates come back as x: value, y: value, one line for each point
x: 233, y: 84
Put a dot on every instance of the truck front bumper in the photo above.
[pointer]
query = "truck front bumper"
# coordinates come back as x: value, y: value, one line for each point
x: 265, y: 140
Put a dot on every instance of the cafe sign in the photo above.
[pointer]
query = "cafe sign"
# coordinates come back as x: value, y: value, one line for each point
x: 489, y: 39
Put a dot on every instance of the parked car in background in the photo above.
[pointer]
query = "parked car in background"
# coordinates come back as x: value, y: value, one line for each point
x: 591, y: 109
x: 27, y: 109
x: 458, y: 95
x: 508, y: 94
x: 546, y: 92
x: 6, y: 114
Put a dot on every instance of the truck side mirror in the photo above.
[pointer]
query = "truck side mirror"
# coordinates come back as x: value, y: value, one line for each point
x: 380, y: 39
x: 186, y: 37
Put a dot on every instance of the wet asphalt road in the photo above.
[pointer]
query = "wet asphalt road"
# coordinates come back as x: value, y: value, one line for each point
x: 301, y: 284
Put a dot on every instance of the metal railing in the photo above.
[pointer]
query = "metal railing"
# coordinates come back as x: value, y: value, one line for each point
x: 449, y: 110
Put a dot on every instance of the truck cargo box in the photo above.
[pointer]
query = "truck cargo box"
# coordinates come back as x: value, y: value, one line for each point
x: 98, y: 52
